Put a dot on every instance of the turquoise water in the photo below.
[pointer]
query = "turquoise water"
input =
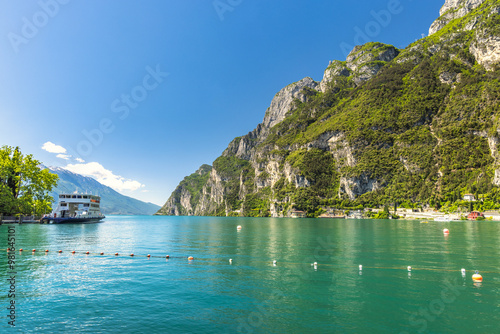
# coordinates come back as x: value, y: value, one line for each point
x: 68, y: 293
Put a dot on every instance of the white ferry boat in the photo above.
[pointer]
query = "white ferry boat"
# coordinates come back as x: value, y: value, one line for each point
x: 76, y: 208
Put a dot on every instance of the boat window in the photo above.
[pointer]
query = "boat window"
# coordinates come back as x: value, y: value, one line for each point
x: 74, y: 196
x: 79, y: 196
x: 85, y: 196
x: 62, y: 196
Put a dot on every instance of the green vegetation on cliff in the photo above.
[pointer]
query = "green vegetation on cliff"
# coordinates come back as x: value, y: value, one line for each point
x: 190, y: 187
x: 422, y: 130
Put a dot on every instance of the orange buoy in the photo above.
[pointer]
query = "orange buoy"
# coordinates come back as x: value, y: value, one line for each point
x: 168, y: 256
x: 21, y: 250
x: 46, y: 251
x: 477, y: 277
x: 102, y: 253
x: 149, y: 255
x: 116, y: 254
x: 34, y: 250
x: 190, y: 258
x: 132, y: 254
x: 60, y: 251
x: 8, y: 249
x: 72, y: 252
x: 87, y: 253
x: 446, y: 231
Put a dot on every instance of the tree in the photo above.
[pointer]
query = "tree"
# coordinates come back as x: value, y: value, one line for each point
x: 24, y: 185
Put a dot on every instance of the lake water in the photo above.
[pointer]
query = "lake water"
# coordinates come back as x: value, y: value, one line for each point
x: 70, y: 293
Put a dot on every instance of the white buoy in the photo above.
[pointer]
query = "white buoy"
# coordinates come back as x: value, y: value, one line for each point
x: 360, y: 267
x: 409, y: 268
x: 238, y: 227
x: 230, y: 261
x: 274, y: 263
x: 463, y: 272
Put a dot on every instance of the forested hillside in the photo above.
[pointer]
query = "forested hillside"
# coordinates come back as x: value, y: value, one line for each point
x: 411, y: 127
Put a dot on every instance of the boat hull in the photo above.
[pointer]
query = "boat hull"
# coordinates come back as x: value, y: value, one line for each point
x: 75, y: 220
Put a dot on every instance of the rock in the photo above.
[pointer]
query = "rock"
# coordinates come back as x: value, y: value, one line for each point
x: 358, y: 185
x: 366, y: 60
x: 179, y: 203
x: 335, y: 69
x: 486, y: 49
x: 448, y: 77
x: 281, y: 103
x: 496, y: 178
x: 341, y: 150
x: 453, y: 9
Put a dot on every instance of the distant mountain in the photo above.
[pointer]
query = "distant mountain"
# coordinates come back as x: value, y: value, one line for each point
x: 112, y: 203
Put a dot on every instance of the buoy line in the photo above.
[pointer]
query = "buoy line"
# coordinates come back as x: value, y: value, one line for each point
x: 475, y: 277
x: 81, y: 252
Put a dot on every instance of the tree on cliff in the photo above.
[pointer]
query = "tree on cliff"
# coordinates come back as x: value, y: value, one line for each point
x: 24, y: 186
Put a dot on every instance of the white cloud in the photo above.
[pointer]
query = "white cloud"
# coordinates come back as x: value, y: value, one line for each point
x: 104, y: 176
x: 80, y: 160
x: 64, y: 156
x: 53, y: 148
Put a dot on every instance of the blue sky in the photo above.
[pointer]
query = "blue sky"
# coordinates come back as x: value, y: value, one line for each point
x: 139, y: 94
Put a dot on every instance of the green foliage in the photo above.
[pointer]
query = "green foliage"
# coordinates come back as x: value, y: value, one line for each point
x: 24, y: 186
x: 193, y: 184
x: 318, y: 167
x: 283, y: 189
x: 231, y: 169
x: 257, y: 204
x: 381, y: 215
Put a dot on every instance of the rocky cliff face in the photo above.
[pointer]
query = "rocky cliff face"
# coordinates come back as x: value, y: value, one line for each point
x: 185, y: 196
x: 453, y: 9
x: 385, y: 125
x: 280, y: 105
x: 486, y: 44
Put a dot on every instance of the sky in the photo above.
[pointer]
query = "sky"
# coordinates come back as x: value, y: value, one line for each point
x: 140, y: 94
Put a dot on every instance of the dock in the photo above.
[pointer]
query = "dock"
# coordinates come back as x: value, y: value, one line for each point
x: 21, y: 219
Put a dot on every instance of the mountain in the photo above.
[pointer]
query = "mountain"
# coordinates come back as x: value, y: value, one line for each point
x: 187, y: 194
x: 112, y: 203
x: 411, y: 127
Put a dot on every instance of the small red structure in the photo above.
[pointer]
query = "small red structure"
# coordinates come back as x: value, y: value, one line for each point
x: 474, y: 215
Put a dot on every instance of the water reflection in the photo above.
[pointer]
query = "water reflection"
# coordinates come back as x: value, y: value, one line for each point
x: 296, y: 295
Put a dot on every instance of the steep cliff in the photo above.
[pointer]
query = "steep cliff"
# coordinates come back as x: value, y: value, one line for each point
x: 185, y: 197
x: 386, y: 126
